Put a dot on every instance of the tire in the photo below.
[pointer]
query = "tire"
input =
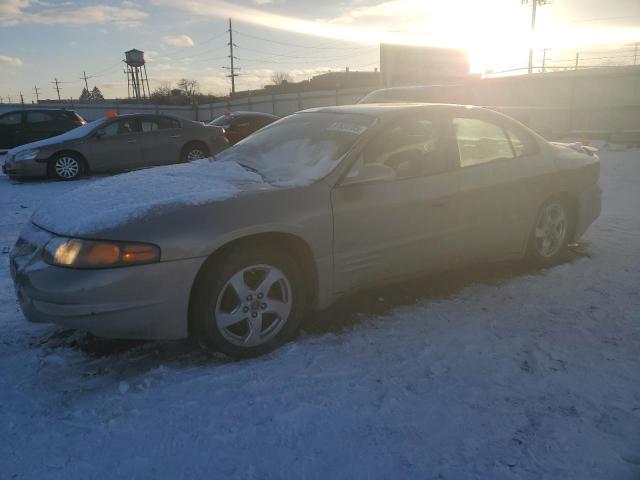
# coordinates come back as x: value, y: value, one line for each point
x: 66, y: 166
x: 194, y: 151
x: 551, y: 232
x: 233, y: 311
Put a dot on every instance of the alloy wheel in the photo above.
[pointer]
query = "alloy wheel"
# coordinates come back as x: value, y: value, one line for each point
x: 254, y: 305
x: 67, y: 167
x: 551, y: 230
x: 195, y: 154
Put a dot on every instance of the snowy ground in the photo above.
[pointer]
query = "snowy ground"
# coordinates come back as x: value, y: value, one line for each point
x: 495, y: 372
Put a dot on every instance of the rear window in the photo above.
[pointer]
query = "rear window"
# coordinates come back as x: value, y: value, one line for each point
x: 222, y: 121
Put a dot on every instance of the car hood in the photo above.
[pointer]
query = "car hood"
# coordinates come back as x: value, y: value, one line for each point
x: 71, y: 135
x: 122, y: 199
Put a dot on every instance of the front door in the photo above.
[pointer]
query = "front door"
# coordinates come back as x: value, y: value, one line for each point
x: 115, y: 147
x: 394, y: 212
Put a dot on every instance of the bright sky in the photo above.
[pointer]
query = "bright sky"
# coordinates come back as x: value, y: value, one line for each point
x: 45, y: 39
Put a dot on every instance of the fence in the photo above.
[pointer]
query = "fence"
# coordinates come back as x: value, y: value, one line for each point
x: 602, y: 101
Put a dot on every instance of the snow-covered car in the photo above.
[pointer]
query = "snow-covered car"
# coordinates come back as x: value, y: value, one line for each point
x: 115, y: 143
x: 308, y: 209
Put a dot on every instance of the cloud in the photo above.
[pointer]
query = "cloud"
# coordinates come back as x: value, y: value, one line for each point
x: 15, y: 12
x: 178, y: 40
x: 12, y: 61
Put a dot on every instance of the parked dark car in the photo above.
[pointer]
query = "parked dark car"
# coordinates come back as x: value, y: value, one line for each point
x: 239, y: 125
x: 113, y: 144
x: 315, y: 206
x: 30, y: 125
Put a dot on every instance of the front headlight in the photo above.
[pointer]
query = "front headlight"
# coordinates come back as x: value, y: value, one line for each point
x: 27, y: 154
x: 77, y: 253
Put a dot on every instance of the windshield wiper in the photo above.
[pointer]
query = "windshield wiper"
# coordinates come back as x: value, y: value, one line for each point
x: 251, y: 169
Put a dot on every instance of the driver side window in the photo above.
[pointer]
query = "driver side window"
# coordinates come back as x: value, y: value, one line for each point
x: 120, y: 127
x: 405, y: 150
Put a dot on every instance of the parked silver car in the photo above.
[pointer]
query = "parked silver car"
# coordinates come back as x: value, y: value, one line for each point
x: 313, y: 207
x: 110, y: 144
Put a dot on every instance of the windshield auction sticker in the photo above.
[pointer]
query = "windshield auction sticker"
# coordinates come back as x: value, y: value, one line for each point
x: 346, y: 127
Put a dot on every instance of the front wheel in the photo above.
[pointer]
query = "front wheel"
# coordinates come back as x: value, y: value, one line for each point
x: 249, y: 303
x: 550, y: 236
x: 66, y: 167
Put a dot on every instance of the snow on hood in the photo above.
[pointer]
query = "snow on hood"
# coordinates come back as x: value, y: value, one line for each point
x: 74, y: 134
x: 124, y: 198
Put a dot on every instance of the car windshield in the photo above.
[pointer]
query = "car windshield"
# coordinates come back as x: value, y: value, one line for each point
x: 300, y: 148
x: 84, y: 130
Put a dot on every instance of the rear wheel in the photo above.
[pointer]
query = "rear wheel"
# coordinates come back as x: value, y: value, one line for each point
x: 551, y: 232
x: 249, y: 302
x: 194, y: 151
x: 66, y: 166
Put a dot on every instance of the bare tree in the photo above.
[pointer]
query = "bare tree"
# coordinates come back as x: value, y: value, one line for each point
x: 190, y: 87
x: 278, y: 78
x: 162, y: 90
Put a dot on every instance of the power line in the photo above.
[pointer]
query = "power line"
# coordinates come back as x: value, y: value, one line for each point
x: 321, y: 46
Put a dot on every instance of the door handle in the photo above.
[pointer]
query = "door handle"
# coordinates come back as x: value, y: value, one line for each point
x: 174, y: 136
x: 439, y: 203
x: 131, y: 141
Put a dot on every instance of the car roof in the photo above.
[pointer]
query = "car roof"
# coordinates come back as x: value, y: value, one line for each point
x: 39, y: 110
x: 242, y: 113
x: 392, y: 108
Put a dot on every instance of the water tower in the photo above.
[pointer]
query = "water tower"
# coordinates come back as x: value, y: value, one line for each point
x: 137, y: 81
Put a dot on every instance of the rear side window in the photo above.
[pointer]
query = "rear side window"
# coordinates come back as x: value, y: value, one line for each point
x: 166, y: 123
x: 222, y: 121
x: 39, y: 117
x: 13, y: 118
x: 480, y: 141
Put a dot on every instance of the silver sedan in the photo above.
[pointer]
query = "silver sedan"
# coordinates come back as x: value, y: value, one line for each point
x: 311, y: 208
x: 115, y: 143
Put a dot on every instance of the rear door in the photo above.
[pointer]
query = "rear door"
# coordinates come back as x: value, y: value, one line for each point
x: 118, y: 148
x: 501, y: 175
x: 10, y: 129
x: 161, y: 140
x: 401, y: 220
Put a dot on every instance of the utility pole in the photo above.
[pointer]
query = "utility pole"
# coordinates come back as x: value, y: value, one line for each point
x: 534, y: 6
x: 635, y: 54
x: 56, y: 82
x: 86, y: 84
x: 9, y: 98
x: 544, y: 59
x: 577, y: 60
x: 21, y: 99
x: 36, y: 90
x: 232, y: 69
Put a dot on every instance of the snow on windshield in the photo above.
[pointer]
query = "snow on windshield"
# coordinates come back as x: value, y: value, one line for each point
x: 299, y: 149
x: 73, y: 134
x: 120, y: 199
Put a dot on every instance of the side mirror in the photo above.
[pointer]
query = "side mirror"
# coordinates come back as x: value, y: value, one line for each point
x: 371, y: 172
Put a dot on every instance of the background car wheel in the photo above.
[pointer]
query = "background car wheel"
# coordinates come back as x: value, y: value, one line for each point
x: 551, y: 232
x: 66, y: 166
x: 194, y: 151
x: 248, y: 302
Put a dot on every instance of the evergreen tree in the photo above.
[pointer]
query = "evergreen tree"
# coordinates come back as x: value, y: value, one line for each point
x: 85, y: 96
x: 96, y: 95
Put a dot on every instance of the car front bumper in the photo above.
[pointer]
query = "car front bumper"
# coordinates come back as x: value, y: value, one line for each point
x: 24, y: 168
x: 145, y: 301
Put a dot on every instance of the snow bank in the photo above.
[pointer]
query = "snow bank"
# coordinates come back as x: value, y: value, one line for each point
x: 124, y: 198
x: 75, y: 134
